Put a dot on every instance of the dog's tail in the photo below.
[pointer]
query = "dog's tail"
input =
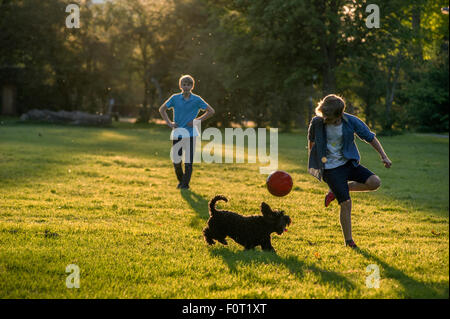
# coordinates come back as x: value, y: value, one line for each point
x: 212, y: 204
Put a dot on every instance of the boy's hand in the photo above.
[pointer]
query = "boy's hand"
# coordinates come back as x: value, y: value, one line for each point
x: 190, y: 124
x: 386, y: 161
x: 172, y: 125
x: 377, y: 146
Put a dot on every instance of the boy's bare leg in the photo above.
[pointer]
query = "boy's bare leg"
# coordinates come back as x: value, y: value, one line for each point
x: 372, y: 183
x: 346, y: 220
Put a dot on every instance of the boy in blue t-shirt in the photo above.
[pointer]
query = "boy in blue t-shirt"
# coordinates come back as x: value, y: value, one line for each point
x: 186, y: 106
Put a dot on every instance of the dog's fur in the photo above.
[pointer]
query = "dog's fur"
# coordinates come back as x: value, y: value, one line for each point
x: 248, y: 231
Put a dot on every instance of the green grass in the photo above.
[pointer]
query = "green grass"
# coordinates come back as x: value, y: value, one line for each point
x: 105, y: 200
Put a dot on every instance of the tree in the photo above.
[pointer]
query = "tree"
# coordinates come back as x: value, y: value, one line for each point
x: 146, y: 27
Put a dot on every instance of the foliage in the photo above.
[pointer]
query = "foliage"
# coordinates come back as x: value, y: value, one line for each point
x: 426, y: 98
x: 261, y: 61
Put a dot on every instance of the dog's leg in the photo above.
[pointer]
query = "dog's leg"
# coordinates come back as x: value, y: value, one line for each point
x: 266, y: 245
x: 208, y: 237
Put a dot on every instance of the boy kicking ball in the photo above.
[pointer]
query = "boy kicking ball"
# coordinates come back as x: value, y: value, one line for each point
x: 334, y: 157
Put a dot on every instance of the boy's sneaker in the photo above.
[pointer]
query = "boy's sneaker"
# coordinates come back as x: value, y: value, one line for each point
x: 350, y: 243
x: 329, y: 198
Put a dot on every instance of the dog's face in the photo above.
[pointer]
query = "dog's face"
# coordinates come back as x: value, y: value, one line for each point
x: 275, y: 218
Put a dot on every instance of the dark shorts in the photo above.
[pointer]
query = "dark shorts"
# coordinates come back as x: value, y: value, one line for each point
x: 338, y: 178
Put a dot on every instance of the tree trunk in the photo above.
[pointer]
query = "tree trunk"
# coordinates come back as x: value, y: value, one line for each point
x: 418, y: 48
x: 329, y: 80
x: 328, y: 43
x: 145, y: 112
x: 158, y: 90
x: 368, y: 111
x: 390, y: 92
x: 310, y: 109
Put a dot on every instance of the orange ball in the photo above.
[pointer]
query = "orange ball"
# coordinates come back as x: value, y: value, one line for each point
x: 279, y: 183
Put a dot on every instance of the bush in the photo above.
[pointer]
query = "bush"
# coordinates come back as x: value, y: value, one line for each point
x: 426, y: 97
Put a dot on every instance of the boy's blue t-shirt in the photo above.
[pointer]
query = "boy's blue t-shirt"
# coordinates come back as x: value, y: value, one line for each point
x: 185, y: 111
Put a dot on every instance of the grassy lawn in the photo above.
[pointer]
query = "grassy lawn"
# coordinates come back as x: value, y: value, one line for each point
x: 105, y: 200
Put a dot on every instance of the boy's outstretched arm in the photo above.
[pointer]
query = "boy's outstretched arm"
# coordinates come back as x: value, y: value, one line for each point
x: 377, y: 146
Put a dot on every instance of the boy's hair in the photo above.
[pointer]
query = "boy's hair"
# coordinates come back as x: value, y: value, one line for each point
x: 186, y: 78
x: 330, y: 106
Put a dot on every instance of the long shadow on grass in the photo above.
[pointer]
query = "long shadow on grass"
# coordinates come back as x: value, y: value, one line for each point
x: 197, y: 202
x: 412, y: 287
x: 295, y: 266
x: 199, y: 205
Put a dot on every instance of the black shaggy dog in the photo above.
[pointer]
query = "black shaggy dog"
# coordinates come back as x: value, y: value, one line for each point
x: 248, y: 231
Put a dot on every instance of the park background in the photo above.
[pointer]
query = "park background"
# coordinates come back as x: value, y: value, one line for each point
x: 104, y: 198
x: 259, y: 62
